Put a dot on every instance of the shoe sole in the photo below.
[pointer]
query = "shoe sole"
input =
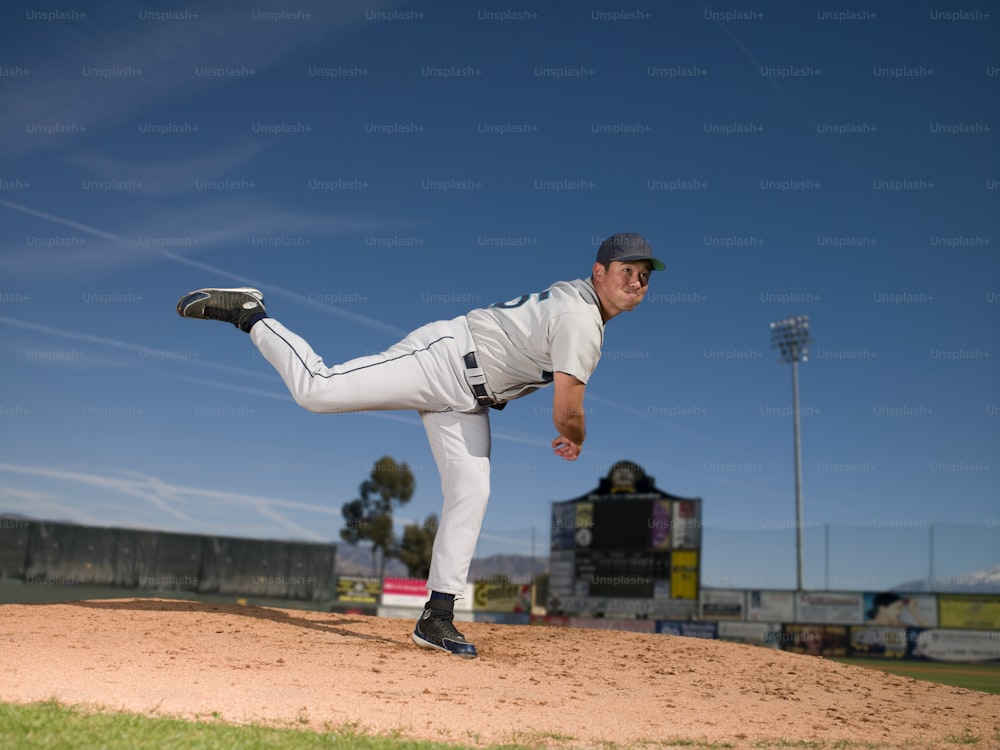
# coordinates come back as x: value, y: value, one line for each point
x: 192, y: 304
x: 427, y: 644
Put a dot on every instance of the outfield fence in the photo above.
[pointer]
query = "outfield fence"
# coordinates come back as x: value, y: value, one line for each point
x: 837, y: 557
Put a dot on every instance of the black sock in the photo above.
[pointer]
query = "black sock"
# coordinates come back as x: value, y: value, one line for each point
x: 251, y: 320
x: 441, y: 601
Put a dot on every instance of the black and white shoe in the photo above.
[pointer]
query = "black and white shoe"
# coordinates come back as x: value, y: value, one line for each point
x: 436, y: 629
x: 242, y: 306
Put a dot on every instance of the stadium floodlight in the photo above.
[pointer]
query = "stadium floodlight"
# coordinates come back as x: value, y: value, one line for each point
x: 791, y: 338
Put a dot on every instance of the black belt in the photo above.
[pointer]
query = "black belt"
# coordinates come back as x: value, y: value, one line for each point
x: 477, y: 382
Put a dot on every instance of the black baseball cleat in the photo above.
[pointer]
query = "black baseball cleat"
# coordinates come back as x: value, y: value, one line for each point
x: 242, y: 306
x: 436, y: 629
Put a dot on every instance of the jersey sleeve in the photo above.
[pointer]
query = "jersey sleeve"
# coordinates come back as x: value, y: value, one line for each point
x: 575, y: 344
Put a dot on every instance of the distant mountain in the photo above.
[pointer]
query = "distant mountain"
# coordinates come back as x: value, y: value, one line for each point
x: 356, y: 560
x: 985, y: 581
x: 517, y: 568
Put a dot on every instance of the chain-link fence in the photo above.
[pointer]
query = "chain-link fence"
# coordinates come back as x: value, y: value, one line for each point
x: 918, y: 555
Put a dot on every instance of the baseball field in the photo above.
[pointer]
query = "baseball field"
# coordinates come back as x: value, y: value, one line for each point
x: 166, y: 673
x: 984, y: 677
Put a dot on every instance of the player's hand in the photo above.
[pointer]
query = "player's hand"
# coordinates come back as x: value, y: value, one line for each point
x: 566, y: 448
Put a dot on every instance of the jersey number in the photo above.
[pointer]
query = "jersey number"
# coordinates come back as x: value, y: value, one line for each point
x: 521, y: 300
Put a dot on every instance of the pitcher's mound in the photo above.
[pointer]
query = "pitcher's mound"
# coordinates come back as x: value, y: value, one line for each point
x: 536, y: 686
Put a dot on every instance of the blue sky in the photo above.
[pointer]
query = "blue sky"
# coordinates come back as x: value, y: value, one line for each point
x: 374, y: 166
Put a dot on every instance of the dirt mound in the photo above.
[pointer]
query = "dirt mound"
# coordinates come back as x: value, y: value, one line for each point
x: 552, y: 687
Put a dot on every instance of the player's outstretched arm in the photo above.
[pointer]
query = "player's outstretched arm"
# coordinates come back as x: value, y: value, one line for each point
x: 568, y: 416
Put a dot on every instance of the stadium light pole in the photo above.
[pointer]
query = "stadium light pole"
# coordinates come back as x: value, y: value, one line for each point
x: 791, y: 338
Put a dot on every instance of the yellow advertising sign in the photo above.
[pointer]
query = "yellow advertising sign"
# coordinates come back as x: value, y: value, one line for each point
x: 502, y: 597
x: 684, y: 574
x: 974, y: 611
x: 358, y: 590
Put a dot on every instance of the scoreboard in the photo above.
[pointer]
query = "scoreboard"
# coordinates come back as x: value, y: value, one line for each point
x: 626, y: 548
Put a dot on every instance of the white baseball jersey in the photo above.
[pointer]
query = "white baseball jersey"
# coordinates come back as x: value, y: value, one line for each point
x: 522, y: 342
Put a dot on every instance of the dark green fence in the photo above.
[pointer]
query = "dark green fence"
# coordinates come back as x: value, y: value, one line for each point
x: 61, y: 553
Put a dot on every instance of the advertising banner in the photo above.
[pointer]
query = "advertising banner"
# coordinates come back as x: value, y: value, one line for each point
x: 501, y: 597
x: 684, y: 574
x: 829, y: 608
x: 686, y: 525
x: 901, y: 610
x: 358, y: 590
x: 666, y: 608
x: 770, y: 606
x: 766, y: 634
x: 815, y: 640
x: 722, y: 604
x: 708, y: 630
x: 972, y: 611
x: 660, y: 525
x: 955, y: 645
x: 412, y: 592
x: 404, y: 592
x: 878, y: 641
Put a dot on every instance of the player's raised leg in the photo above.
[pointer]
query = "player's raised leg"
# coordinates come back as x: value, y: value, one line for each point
x: 423, y: 372
x: 418, y: 373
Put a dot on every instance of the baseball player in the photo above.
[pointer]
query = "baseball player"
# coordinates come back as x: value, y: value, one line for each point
x: 452, y: 372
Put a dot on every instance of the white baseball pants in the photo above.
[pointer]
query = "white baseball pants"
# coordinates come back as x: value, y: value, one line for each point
x: 423, y: 372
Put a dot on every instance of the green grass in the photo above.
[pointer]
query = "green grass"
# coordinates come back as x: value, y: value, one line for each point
x: 52, y: 726
x: 983, y: 677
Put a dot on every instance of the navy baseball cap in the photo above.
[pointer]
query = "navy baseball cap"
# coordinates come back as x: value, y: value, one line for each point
x: 627, y: 247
